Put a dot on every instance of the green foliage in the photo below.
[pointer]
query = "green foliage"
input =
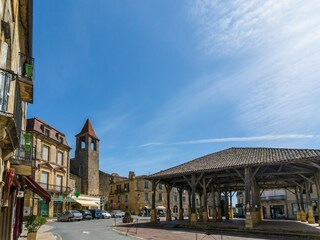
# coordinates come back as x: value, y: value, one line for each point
x: 127, y: 214
x: 34, y: 223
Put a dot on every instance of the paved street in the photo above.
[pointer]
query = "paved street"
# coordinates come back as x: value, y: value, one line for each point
x: 85, y: 230
x: 104, y: 229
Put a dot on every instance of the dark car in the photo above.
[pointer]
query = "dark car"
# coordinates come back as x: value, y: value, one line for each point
x: 96, y: 213
x: 86, y: 214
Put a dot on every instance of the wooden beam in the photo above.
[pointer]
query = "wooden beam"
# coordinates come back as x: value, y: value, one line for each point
x: 239, y: 174
x: 309, y: 180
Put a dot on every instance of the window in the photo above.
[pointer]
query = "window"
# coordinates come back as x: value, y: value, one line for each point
x: 126, y: 187
x: 47, y: 132
x: 125, y: 198
x: 175, y: 189
x: 82, y: 142
x: 183, y: 199
x: 119, y: 188
x: 59, y: 183
x: 93, y: 145
x: 111, y: 190
x: 118, y: 199
x: 160, y: 196
x: 146, y: 184
x: 45, y: 152
x: 146, y: 197
x: 59, y: 158
x: 44, y: 180
x: 175, y: 209
x: 160, y: 186
x: 175, y: 198
x: 61, y: 139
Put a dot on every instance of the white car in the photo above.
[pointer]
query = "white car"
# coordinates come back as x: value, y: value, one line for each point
x: 105, y: 214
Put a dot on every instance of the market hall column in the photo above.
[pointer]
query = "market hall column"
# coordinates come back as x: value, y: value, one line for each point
x: 193, y: 199
x: 168, y: 215
x: 180, y: 189
x: 153, y: 213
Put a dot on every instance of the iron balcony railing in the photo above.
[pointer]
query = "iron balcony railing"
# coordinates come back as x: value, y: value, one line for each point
x: 270, y: 198
x: 55, y: 188
x: 8, y: 81
x: 22, y: 154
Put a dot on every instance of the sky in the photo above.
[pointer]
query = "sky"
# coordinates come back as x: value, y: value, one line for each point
x: 164, y: 82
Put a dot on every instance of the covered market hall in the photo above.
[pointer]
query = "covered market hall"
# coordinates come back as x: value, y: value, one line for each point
x: 249, y: 170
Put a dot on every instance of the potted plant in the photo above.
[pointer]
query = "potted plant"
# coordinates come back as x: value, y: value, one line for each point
x: 33, y: 225
x: 127, y: 217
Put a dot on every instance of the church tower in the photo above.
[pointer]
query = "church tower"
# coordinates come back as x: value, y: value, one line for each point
x: 86, y: 159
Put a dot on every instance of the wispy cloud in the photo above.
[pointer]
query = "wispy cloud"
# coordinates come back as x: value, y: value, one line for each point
x: 233, y: 139
x: 272, y: 83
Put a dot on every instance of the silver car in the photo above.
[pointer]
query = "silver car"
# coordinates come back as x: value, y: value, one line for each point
x: 70, y: 216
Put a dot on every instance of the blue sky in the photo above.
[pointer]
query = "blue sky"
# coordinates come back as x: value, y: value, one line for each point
x: 164, y: 82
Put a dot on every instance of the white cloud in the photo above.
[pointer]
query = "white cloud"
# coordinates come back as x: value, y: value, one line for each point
x: 234, y: 139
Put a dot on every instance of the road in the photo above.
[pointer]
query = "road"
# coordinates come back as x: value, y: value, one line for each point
x: 87, y: 230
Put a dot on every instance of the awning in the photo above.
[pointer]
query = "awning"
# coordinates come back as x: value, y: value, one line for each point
x: 161, y: 208
x: 86, y: 203
x: 36, y: 188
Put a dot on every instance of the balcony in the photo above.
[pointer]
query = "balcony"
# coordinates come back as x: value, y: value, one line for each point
x: 10, y: 108
x: 22, y: 161
x: 26, y: 77
x: 273, y: 198
x: 55, y: 188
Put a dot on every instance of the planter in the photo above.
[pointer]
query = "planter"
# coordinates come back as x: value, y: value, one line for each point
x: 32, y: 236
x: 127, y: 219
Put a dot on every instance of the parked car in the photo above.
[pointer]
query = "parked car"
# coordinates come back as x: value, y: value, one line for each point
x: 96, y: 213
x: 105, y: 214
x: 117, y: 214
x: 69, y: 216
x: 86, y: 214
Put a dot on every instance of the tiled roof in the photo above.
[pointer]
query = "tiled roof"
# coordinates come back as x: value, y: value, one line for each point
x: 88, y: 129
x: 37, y: 125
x: 239, y: 157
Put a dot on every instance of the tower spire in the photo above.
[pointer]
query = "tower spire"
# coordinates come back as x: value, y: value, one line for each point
x: 88, y: 129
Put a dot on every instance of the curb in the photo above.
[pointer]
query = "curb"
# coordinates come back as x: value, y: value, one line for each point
x: 126, y: 234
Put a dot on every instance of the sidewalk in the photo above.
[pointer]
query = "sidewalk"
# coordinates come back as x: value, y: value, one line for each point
x: 44, y: 233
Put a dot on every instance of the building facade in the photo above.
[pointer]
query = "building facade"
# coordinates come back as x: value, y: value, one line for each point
x: 16, y: 90
x: 135, y: 193
x: 51, y: 168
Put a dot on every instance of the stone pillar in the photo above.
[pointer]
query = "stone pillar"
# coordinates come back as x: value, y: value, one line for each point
x: 180, y: 204
x: 309, y: 203
x: 303, y: 216
x: 214, y: 206
x: 168, y: 215
x: 205, y: 202
x: 231, y: 208
x: 153, y: 212
x: 193, y: 219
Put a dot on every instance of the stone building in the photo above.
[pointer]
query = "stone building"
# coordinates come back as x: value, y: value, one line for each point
x: 51, y: 168
x: 135, y: 193
x: 281, y: 203
x: 86, y: 178
x: 16, y: 90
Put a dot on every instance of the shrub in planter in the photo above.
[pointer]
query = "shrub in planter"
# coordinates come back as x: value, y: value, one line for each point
x: 127, y: 217
x: 33, y: 225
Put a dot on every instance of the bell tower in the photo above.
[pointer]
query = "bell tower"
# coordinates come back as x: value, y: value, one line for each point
x: 87, y: 158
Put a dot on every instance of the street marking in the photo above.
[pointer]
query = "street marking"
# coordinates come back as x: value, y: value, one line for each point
x: 85, y: 232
